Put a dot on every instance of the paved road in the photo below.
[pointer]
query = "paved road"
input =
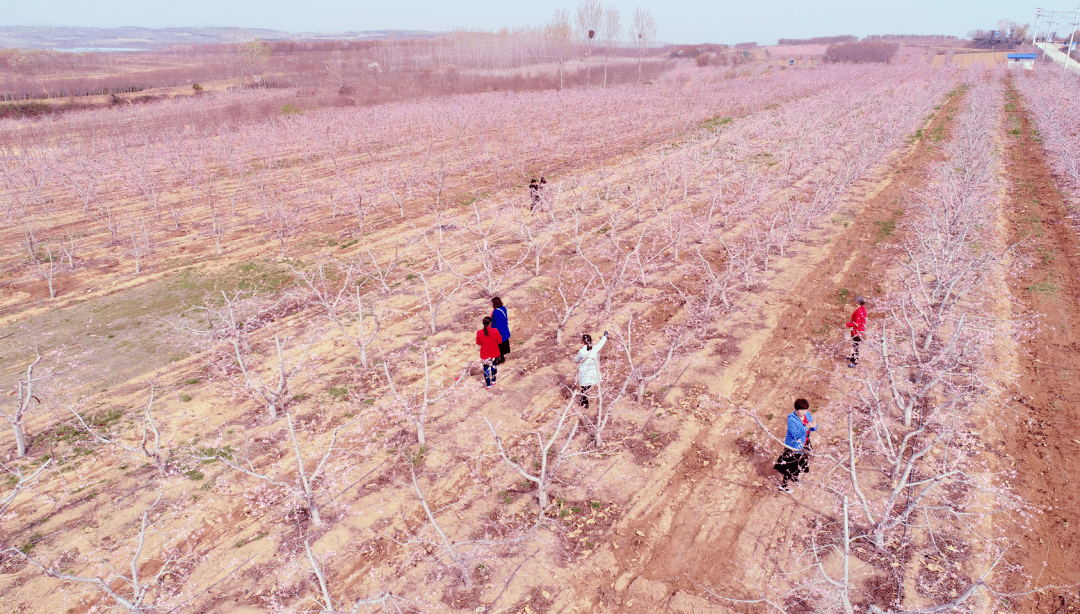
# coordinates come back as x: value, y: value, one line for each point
x: 1051, y: 49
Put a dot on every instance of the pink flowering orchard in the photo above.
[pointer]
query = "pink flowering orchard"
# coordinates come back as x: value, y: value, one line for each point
x: 238, y: 344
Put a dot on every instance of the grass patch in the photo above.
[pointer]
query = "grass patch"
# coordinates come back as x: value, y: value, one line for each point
x: 887, y: 228
x: 1046, y: 288
x: 254, y: 538
x: 716, y: 122
x: 29, y: 545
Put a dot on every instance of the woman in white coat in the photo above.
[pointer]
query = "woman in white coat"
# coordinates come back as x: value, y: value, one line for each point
x: 588, y: 372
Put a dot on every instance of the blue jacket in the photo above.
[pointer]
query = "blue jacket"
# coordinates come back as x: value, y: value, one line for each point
x: 500, y: 322
x: 797, y: 431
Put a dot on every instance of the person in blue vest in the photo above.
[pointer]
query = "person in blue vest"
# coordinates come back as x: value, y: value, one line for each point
x: 795, y: 458
x: 500, y: 321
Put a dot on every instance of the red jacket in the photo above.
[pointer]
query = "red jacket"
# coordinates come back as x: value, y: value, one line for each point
x: 489, y: 343
x: 858, y: 321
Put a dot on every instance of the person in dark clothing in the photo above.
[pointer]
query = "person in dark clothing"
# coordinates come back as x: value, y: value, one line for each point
x: 534, y: 193
x: 488, y: 339
x: 795, y: 457
x: 535, y: 188
x: 500, y: 321
x: 857, y: 324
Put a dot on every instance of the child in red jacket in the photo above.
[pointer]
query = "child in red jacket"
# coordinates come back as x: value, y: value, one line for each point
x: 857, y: 324
x: 488, y: 339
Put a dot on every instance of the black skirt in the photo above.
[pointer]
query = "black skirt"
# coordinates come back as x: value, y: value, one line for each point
x: 789, y: 463
x: 504, y: 348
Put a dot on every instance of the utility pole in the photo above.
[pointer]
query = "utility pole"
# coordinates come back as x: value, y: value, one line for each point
x: 1068, y: 48
x: 1035, y: 30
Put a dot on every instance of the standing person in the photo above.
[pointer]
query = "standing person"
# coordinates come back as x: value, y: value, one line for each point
x: 499, y: 319
x: 857, y: 324
x: 534, y: 193
x: 794, y: 459
x: 588, y: 372
x: 488, y: 339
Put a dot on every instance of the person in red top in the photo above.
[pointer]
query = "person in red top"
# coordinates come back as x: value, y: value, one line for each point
x: 488, y: 339
x: 858, y: 327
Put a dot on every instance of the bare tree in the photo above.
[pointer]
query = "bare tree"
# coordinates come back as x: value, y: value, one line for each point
x: 217, y: 225
x: 532, y: 237
x: 560, y: 39
x: 139, y: 592
x: 327, y: 604
x: 24, y: 395
x: 677, y: 338
x: 449, y: 548
x: 378, y: 271
x: 343, y: 307
x: 436, y: 298
x: 227, y: 324
x: 642, y: 31
x: 550, y: 457
x: 69, y: 244
x: 415, y: 408
x: 47, y: 265
x: 612, y: 31
x: 21, y: 481
x: 590, y: 14
x: 153, y: 453
x: 306, y: 482
x: 567, y: 309
x: 494, y: 269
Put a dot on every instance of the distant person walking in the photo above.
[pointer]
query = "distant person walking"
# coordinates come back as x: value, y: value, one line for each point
x: 488, y: 339
x: 588, y: 360
x: 857, y: 324
x: 534, y: 194
x: 534, y: 191
x: 500, y: 320
x: 795, y: 458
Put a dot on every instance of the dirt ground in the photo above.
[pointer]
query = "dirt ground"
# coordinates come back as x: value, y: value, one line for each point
x: 678, y: 512
x: 1045, y: 391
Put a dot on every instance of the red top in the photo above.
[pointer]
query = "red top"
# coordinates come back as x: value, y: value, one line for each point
x: 489, y: 343
x: 858, y: 321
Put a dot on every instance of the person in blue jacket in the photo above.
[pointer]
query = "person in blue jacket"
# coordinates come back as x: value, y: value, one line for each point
x: 795, y: 457
x: 500, y: 321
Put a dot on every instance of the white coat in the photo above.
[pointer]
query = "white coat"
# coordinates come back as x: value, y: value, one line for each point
x: 588, y: 372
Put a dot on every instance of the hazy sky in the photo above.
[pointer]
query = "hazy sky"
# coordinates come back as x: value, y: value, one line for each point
x: 677, y: 21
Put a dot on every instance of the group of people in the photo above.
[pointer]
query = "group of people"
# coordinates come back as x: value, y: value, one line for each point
x: 494, y: 342
x: 795, y: 459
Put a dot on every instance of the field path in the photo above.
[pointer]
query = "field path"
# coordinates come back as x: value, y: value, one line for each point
x: 696, y: 526
x: 1045, y: 395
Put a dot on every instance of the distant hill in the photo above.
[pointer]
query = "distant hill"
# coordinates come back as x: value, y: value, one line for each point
x: 63, y: 37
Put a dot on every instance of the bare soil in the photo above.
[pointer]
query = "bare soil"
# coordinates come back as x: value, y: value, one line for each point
x: 674, y: 508
x: 1045, y: 398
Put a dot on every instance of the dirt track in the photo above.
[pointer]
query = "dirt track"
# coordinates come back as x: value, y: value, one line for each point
x: 1046, y: 391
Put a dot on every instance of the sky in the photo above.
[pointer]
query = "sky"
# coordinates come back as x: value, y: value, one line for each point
x: 678, y: 21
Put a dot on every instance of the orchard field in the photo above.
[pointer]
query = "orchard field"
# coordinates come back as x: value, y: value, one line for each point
x: 240, y: 375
